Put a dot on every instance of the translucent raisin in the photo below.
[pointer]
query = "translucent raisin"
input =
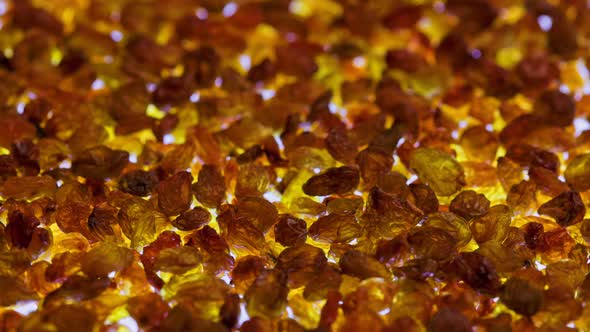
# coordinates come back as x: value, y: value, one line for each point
x: 290, y: 231
x: 138, y: 182
x: 438, y: 170
x: 174, y: 193
x: 209, y: 189
x: 192, y: 219
x: 338, y: 180
x: 100, y: 162
x: 469, y: 204
x: 577, y: 173
x: 522, y: 297
x: 566, y: 208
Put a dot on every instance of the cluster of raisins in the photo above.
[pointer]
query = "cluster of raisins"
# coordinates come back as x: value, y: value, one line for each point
x: 294, y: 165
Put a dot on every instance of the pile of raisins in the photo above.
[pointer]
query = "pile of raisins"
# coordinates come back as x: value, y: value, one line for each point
x: 294, y: 165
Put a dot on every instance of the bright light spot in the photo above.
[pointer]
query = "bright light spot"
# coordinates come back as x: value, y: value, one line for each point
x: 358, y: 193
x: 279, y: 141
x: 306, y: 126
x: 218, y: 82
x: 230, y: 9
x: 112, y: 274
x: 489, y: 127
x: 243, y: 314
x: 475, y: 53
x: 32, y: 95
x: 98, y: 84
x: 566, y: 155
x: 582, y: 70
x: 545, y: 22
x: 245, y: 61
x: 571, y: 325
x: 462, y: 124
x: 455, y: 134
x: 202, y: 13
x: 354, y: 242
x: 290, y: 313
x: 384, y: 311
x: 195, y: 97
x: 151, y: 87
x: 20, y: 108
x: 580, y: 125
x: 585, y: 74
x: 3, y: 7
x: 59, y: 183
x: 333, y: 108
x: 25, y: 308
x: 317, y: 170
x: 564, y: 89
x: 561, y: 178
x: 540, y: 266
x: 272, y: 196
x: 116, y: 35
x: 412, y: 178
x: 300, y: 8
x: 65, y: 164
x: 267, y: 94
x: 226, y: 279
x: 359, y: 62
x: 133, y: 157
x: 129, y: 323
x: 400, y: 142
x: 168, y: 139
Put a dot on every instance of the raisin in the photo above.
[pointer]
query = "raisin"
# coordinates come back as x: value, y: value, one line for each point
x: 577, y: 173
x: 209, y: 189
x: 290, y: 231
x: 438, y: 170
x: 566, y: 208
x: 425, y: 198
x: 360, y: 265
x: 338, y: 180
x: 192, y: 219
x: 447, y: 319
x: 469, y: 204
x: 138, y: 182
x: 174, y: 193
x: 100, y: 163
x: 522, y: 297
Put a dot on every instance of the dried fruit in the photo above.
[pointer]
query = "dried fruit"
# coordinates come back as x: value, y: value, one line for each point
x: 438, y: 170
x: 577, y: 173
x: 192, y: 219
x: 338, y: 180
x: 100, y: 162
x: 290, y: 231
x: 469, y: 204
x: 361, y: 265
x: 359, y: 165
x: 335, y: 228
x: 522, y: 297
x: 138, y: 182
x: 174, y: 194
x: 209, y: 189
x: 566, y: 208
